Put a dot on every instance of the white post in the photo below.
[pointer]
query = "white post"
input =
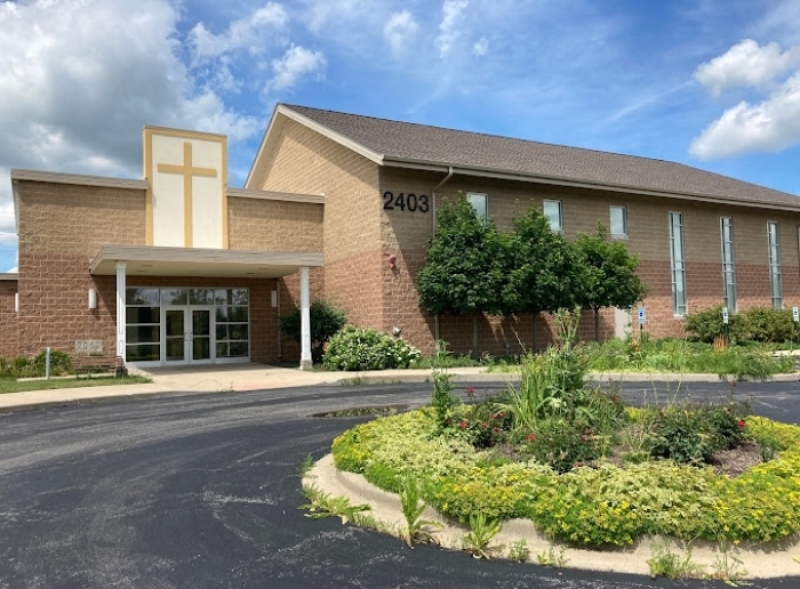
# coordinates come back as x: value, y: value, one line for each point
x: 121, y: 276
x: 305, y: 322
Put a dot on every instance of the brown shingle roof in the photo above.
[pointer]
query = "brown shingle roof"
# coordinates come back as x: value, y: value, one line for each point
x: 396, y: 140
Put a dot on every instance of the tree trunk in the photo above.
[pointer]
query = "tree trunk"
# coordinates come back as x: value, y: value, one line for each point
x: 475, y: 355
x: 596, y: 324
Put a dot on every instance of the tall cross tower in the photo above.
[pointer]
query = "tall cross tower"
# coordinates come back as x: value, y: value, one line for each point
x: 186, y: 198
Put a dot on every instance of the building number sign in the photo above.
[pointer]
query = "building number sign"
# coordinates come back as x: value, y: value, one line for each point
x: 406, y: 202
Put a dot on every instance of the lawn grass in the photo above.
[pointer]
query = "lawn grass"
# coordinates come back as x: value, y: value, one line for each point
x: 12, y: 385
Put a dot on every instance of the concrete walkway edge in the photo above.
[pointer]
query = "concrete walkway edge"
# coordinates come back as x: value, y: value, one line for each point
x: 252, y: 377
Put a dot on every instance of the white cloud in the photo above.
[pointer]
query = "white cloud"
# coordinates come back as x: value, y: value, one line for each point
x: 771, y: 125
x: 250, y: 33
x: 452, y: 13
x: 400, y: 31
x: 81, y: 77
x: 481, y: 48
x: 321, y: 13
x: 13, y: 270
x: 295, y: 63
x: 746, y: 64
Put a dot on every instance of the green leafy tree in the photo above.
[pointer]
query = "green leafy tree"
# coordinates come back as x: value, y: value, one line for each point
x: 325, y: 322
x: 608, y: 274
x: 544, y: 273
x: 464, y: 270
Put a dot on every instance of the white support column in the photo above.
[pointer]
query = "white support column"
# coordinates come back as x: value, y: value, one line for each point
x: 305, y: 322
x: 121, y: 286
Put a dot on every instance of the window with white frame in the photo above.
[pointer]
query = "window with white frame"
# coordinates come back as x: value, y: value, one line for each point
x: 479, y: 202
x: 728, y: 263
x: 678, y: 264
x: 775, y: 279
x: 618, y: 221
x: 552, y: 210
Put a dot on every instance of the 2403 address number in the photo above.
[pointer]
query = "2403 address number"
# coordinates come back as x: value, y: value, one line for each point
x: 402, y: 201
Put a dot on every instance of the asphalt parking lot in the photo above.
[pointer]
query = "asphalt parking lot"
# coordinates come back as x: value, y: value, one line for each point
x: 190, y: 491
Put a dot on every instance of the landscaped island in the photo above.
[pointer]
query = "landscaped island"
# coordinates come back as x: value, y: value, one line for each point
x: 583, y: 467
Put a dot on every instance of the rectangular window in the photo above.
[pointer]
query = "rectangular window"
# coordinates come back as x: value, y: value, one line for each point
x: 552, y: 210
x: 678, y: 264
x: 618, y: 221
x: 479, y: 202
x: 775, y: 279
x: 728, y: 263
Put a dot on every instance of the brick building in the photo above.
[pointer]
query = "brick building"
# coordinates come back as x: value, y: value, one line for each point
x: 340, y: 207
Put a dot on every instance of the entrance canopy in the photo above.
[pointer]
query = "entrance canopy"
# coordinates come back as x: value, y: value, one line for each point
x: 179, y: 261
x: 198, y: 341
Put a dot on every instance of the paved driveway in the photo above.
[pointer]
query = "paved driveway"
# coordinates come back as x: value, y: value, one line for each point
x: 202, y: 491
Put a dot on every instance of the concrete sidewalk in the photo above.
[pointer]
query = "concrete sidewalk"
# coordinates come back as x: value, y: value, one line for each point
x: 251, y: 377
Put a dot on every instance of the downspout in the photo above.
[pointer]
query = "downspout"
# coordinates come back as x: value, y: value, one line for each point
x: 433, y: 228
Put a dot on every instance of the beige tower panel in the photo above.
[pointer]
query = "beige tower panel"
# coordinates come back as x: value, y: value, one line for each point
x: 187, y: 175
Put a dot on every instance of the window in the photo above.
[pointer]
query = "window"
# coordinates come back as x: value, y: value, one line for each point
x: 773, y: 240
x: 618, y: 221
x: 728, y: 263
x: 552, y: 210
x: 678, y: 264
x: 479, y: 202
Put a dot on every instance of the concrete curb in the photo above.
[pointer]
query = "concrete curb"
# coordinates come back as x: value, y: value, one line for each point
x: 769, y: 560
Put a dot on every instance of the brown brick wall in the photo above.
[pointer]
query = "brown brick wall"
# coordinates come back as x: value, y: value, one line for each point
x: 61, y: 229
x: 271, y: 225
x: 405, y: 234
x: 53, y: 304
x: 8, y: 319
x: 306, y: 162
x: 78, y: 220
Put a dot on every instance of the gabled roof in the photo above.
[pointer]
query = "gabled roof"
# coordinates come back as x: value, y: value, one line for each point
x: 394, y: 143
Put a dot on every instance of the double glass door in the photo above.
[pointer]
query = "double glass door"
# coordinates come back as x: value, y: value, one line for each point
x: 188, y: 333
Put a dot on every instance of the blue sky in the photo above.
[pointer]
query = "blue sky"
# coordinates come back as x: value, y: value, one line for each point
x: 711, y: 83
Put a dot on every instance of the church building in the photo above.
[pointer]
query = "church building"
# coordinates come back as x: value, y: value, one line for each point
x: 178, y: 268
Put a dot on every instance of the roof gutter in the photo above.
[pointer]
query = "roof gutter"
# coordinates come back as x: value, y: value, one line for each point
x: 556, y: 181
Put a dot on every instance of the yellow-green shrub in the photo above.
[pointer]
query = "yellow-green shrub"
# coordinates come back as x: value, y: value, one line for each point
x: 587, y: 506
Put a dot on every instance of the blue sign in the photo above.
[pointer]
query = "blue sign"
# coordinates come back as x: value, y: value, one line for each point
x: 641, y: 316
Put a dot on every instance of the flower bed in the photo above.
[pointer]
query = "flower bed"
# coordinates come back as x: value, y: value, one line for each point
x: 596, y: 505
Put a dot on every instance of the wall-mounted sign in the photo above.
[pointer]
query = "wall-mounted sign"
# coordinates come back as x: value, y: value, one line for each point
x: 89, y: 346
x: 406, y: 202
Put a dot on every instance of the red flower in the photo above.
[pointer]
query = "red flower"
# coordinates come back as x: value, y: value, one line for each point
x: 471, y: 391
x: 496, y: 431
x: 531, y: 437
x: 462, y: 425
x: 741, y: 423
x: 484, y: 425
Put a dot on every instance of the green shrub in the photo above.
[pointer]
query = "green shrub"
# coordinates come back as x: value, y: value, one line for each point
x: 325, y: 322
x: 707, y: 324
x: 483, y: 424
x: 586, y: 506
x: 24, y: 367
x: 367, y: 349
x: 562, y: 445
x: 769, y: 325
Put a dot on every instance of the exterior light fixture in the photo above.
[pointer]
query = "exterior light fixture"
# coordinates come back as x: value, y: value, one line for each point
x: 92, y: 299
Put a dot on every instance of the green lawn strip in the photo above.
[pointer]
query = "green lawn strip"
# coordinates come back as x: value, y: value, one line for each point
x: 11, y: 385
x: 587, y: 506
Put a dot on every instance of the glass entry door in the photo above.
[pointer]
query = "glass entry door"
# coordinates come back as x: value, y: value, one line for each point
x: 188, y: 335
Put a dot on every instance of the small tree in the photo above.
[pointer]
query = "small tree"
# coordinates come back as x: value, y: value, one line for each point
x: 464, y: 269
x: 608, y: 274
x: 543, y: 269
x: 325, y: 322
